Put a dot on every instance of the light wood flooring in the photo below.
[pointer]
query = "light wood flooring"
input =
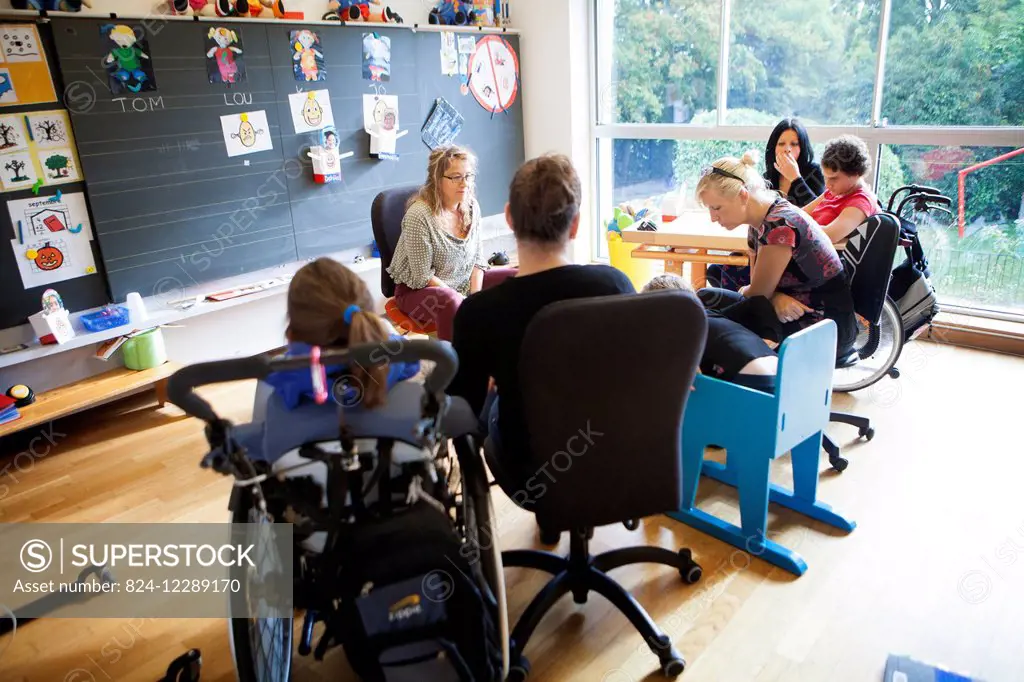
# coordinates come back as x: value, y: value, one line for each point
x: 935, y: 568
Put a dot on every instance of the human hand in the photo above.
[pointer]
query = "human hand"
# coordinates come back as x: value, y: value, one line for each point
x: 787, y: 166
x: 788, y: 309
x: 742, y: 291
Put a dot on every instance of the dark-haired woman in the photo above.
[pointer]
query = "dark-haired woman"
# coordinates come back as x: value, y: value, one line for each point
x: 790, y: 169
x: 543, y: 211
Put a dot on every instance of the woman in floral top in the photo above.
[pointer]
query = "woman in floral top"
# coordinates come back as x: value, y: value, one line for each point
x: 794, y: 263
x: 438, y: 260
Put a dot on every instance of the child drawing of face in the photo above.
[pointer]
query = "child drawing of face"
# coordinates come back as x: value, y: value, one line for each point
x: 312, y: 113
x: 123, y: 36
x: 246, y: 132
x: 222, y: 37
x: 306, y: 39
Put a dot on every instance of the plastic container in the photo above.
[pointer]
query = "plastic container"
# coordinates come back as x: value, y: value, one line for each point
x: 145, y: 351
x: 108, y: 318
x: 639, y: 270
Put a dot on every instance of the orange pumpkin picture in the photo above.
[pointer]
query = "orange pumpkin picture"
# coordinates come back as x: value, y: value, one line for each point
x: 49, y: 258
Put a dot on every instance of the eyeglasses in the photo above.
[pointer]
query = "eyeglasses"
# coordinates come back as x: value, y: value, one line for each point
x: 708, y: 170
x: 458, y: 179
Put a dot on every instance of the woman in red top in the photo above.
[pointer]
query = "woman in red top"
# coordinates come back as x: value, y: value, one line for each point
x: 847, y: 201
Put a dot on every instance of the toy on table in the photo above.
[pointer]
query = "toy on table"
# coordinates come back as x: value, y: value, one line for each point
x: 370, y: 12
x: 22, y: 395
x: 52, y: 324
x: 326, y: 157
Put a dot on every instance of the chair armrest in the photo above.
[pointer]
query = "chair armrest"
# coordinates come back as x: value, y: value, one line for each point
x: 720, y: 410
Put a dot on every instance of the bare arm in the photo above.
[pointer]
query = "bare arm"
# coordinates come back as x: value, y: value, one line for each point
x: 476, y: 280
x: 771, y: 263
x: 845, y: 223
x: 809, y: 208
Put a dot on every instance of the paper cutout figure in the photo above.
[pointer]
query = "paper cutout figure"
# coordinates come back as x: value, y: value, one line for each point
x: 49, y: 129
x: 494, y: 74
x: 311, y: 110
x: 7, y: 93
x: 20, y: 43
x: 17, y: 171
x: 58, y: 166
x: 308, y: 56
x: 12, y: 134
x: 127, y: 60
x: 52, y: 324
x: 224, y: 56
x: 246, y: 133
x: 443, y: 124
x: 327, y: 158
x: 376, y: 57
x: 380, y: 120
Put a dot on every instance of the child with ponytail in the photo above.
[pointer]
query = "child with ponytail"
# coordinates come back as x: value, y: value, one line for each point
x: 330, y: 306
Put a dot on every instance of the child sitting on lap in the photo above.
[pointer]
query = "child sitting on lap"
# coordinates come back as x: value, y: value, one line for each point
x: 733, y: 352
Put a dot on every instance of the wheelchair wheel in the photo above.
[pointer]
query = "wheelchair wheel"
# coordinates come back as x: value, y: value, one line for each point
x: 262, y: 647
x: 878, y: 346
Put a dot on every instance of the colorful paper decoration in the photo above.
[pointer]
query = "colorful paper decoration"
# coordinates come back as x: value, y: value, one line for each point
x: 53, y: 239
x: 443, y: 124
x: 494, y: 74
x: 311, y: 111
x: 380, y: 120
x: 376, y: 57
x: 37, y: 149
x: 24, y: 72
x: 127, y: 59
x: 307, y: 56
x: 225, y: 59
x: 246, y: 133
x: 327, y: 158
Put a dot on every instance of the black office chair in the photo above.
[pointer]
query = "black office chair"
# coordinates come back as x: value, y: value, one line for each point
x: 867, y: 262
x: 605, y: 436
x: 386, y: 215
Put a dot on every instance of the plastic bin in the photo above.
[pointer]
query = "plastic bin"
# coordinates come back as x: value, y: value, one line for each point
x: 639, y: 270
x: 107, y: 318
x: 145, y: 351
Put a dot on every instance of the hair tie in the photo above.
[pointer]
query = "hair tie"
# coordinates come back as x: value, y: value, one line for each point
x: 349, y: 312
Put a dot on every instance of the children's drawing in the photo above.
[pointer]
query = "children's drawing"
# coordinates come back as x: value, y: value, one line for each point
x: 47, y: 257
x: 376, y: 57
x: 49, y: 129
x: 20, y: 43
x: 380, y: 120
x: 224, y: 56
x: 246, y: 133
x: 311, y: 111
x: 53, y: 259
x: 17, y: 171
x: 308, y: 56
x: 58, y: 166
x: 494, y: 74
x: 12, y: 134
x: 127, y: 59
x: 7, y: 93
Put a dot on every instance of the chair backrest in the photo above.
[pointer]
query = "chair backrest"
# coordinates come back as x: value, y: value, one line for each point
x: 868, y: 261
x: 803, y: 386
x: 604, y: 383
x: 386, y: 215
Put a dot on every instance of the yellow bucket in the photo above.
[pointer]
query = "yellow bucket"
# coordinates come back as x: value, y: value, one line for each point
x: 639, y: 270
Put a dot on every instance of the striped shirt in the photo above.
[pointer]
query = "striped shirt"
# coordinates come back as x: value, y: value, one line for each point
x: 426, y: 249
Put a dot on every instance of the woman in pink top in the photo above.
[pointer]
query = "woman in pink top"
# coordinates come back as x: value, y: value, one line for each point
x: 847, y: 201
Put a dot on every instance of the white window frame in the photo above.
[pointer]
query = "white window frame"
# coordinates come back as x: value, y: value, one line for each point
x: 875, y: 134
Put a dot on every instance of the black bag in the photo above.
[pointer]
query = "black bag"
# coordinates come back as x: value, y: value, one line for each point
x: 910, y: 287
x: 411, y: 609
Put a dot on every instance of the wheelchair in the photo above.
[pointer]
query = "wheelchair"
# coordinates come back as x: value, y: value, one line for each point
x: 375, y: 463
x: 870, y: 260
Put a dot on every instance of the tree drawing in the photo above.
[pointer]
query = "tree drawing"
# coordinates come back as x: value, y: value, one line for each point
x: 9, y: 134
x: 58, y: 163
x: 16, y: 167
x: 50, y: 131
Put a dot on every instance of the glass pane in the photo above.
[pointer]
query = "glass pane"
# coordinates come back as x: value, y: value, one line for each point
x: 985, y: 268
x: 805, y: 58
x: 956, y: 62
x: 664, y: 60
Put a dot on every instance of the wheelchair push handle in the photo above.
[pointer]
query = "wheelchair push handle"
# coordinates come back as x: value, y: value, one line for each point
x: 182, y: 384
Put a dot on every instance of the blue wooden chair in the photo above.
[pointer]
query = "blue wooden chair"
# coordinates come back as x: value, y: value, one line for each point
x: 755, y: 428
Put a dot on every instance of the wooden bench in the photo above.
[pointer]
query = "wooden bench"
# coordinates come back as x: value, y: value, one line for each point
x: 90, y: 392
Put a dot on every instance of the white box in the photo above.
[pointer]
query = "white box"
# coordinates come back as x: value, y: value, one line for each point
x: 52, y: 327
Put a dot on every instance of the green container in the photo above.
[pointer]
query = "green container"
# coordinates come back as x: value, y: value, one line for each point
x: 145, y: 351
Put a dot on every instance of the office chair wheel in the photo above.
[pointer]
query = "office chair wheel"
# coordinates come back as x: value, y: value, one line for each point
x: 520, y: 671
x: 673, y: 667
x: 894, y: 373
x: 689, y: 570
x: 632, y: 524
x: 867, y: 433
x: 839, y: 463
x: 549, y: 537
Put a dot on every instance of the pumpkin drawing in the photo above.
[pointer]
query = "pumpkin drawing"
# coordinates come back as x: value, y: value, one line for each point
x: 49, y: 258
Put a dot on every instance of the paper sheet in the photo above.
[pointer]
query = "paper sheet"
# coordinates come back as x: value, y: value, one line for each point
x: 25, y: 74
x: 376, y: 57
x: 49, y: 129
x: 246, y: 133
x: 44, y: 217
x: 311, y: 111
x: 17, y: 171
x: 13, y: 137
x: 443, y: 124
x: 307, y: 56
x: 225, y: 56
x: 43, y: 262
x: 58, y: 166
x: 127, y: 58
x: 7, y: 93
x: 494, y: 74
x: 449, y: 55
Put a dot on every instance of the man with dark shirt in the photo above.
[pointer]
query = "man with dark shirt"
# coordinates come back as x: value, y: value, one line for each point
x: 543, y: 212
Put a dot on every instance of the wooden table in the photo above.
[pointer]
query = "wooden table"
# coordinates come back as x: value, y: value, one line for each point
x: 693, y: 238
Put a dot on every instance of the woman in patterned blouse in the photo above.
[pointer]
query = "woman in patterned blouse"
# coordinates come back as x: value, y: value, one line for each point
x: 438, y: 260
x: 794, y: 263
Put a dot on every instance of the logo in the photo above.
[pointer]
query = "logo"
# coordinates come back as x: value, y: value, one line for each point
x: 405, y: 608
x: 36, y: 556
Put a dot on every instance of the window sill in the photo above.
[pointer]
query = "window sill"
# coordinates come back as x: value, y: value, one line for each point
x: 957, y: 329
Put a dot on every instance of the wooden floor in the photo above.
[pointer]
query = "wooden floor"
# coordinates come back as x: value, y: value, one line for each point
x: 931, y: 571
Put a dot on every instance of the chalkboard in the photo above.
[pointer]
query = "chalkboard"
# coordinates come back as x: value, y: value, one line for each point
x: 16, y: 302
x: 171, y: 208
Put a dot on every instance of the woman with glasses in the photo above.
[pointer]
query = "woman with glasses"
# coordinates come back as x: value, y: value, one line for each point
x: 439, y: 260
x: 794, y: 264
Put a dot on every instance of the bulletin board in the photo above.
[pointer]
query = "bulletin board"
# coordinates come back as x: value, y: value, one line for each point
x: 24, y: 68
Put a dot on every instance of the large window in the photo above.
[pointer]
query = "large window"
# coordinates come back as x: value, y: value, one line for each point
x: 934, y: 88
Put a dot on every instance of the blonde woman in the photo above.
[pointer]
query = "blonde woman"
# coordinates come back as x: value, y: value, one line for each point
x: 794, y: 264
x: 439, y: 258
